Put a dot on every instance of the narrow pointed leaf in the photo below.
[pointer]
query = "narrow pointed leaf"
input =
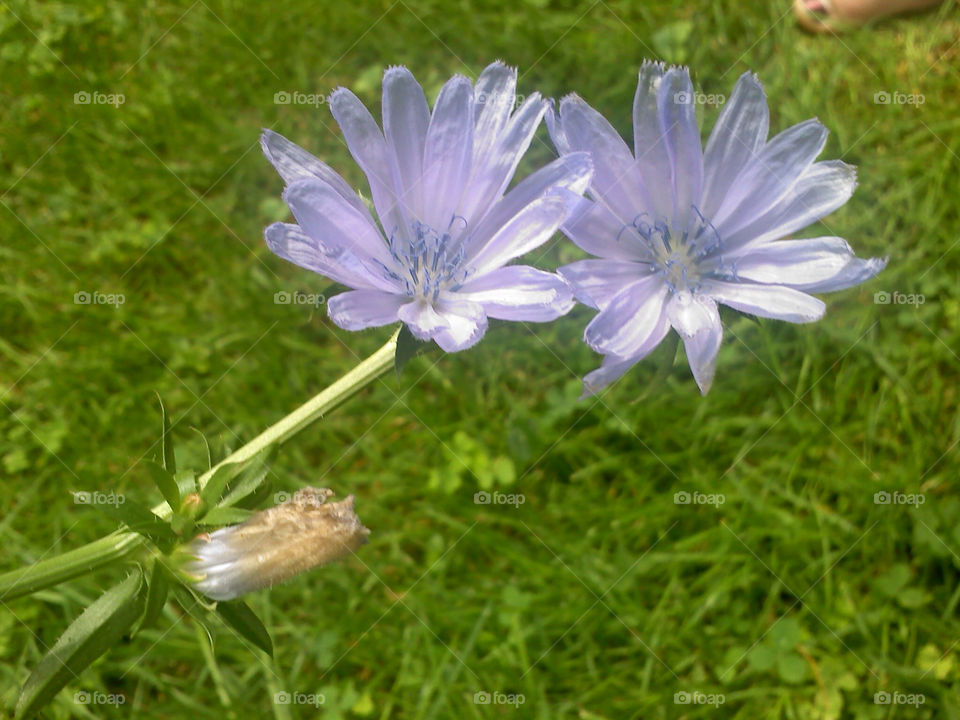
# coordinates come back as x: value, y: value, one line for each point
x: 251, y: 477
x: 238, y: 615
x: 225, y: 515
x: 165, y: 482
x: 407, y: 348
x: 141, y: 520
x: 97, y: 629
x: 156, y: 595
x: 211, y: 492
x: 168, y: 461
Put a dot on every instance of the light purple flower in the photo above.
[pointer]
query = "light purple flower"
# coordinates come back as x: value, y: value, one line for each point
x: 446, y: 230
x: 677, y: 229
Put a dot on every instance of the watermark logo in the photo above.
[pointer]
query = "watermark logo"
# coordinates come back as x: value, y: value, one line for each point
x: 882, y: 97
x: 882, y: 297
x: 298, y: 698
x: 698, y: 498
x: 98, y: 698
x: 498, y: 698
x: 95, y: 497
x: 698, y: 98
x: 98, y: 98
x: 295, y: 97
x: 499, y: 498
x: 698, y: 698
x: 898, y: 698
x: 82, y: 297
x: 494, y: 97
x: 898, y: 498
x: 298, y: 298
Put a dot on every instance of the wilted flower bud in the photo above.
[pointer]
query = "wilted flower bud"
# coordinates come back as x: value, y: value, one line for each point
x: 274, y: 545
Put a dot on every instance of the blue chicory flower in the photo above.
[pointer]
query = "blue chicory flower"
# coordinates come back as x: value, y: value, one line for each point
x: 436, y: 261
x: 677, y: 229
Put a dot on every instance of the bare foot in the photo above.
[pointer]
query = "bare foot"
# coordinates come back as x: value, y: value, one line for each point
x: 840, y: 15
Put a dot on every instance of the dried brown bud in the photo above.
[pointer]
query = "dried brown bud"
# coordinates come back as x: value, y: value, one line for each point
x: 276, y: 544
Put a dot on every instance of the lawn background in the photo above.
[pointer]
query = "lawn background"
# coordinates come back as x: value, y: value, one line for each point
x: 599, y: 597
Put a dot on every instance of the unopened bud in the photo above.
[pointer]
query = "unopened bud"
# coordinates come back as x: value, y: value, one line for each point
x: 276, y: 544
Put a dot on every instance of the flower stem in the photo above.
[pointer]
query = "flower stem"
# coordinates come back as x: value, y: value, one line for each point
x: 123, y: 543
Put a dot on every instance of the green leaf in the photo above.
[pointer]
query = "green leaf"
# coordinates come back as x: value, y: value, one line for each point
x: 156, y: 595
x: 207, y: 446
x: 251, y: 477
x: 225, y: 515
x: 141, y: 520
x: 97, y: 629
x: 186, y: 482
x: 165, y: 482
x: 408, y: 347
x: 792, y: 668
x: 217, y: 483
x: 169, y: 462
x: 238, y: 615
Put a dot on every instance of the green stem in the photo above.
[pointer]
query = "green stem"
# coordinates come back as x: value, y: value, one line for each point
x: 123, y: 543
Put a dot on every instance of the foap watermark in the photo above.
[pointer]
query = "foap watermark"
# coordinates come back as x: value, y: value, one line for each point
x: 295, y: 97
x: 898, y: 698
x: 482, y: 697
x: 896, y: 497
x: 698, y: 98
x: 698, y: 698
x: 298, y: 298
x: 698, y: 498
x: 98, y: 698
x: 82, y: 297
x: 499, y: 498
x: 884, y: 297
x: 882, y: 97
x: 98, y: 98
x: 493, y: 97
x: 298, y: 698
x: 95, y: 497
x: 301, y: 497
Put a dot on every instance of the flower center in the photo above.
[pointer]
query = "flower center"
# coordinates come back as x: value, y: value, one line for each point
x: 432, y: 260
x: 684, y: 257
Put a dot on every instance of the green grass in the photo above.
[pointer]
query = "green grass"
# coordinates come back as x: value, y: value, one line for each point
x: 599, y: 597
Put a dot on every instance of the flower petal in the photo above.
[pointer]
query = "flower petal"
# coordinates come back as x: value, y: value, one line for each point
x: 596, y: 282
x: 454, y: 325
x: 649, y: 144
x: 369, y: 149
x: 682, y: 139
x: 819, y: 264
x: 697, y: 320
x: 571, y: 172
x: 406, y: 118
x: 617, y: 182
x: 528, y: 229
x: 493, y: 172
x: 519, y: 292
x: 293, y: 163
x: 824, y: 187
x: 493, y: 97
x: 770, y: 175
x: 324, y: 215
x: 359, y: 309
x: 739, y: 135
x: 446, y: 158
x: 611, y: 369
x: 769, y: 301
x: 466, y: 324
x: 633, y: 323
x: 292, y: 244
x: 599, y: 232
